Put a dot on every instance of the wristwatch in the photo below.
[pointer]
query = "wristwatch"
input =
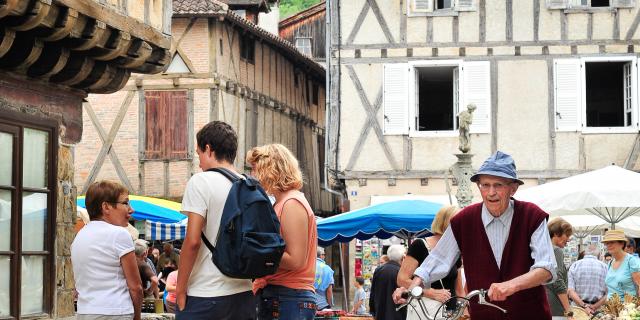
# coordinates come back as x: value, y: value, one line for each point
x: 568, y: 313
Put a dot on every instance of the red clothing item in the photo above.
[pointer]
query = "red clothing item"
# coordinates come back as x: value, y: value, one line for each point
x: 172, y: 280
x: 302, y: 278
x: 481, y: 269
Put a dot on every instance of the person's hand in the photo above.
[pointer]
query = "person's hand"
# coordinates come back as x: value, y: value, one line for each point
x: 441, y: 295
x: 181, y: 300
x: 500, y: 291
x: 397, y: 296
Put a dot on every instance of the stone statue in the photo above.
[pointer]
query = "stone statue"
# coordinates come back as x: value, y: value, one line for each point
x: 464, y: 122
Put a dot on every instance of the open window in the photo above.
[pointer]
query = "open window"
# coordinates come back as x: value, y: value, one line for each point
x: 586, y: 4
x: 596, y: 94
x: 425, y: 7
x: 424, y: 98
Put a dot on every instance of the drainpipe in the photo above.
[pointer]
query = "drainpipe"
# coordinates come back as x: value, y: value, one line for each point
x: 326, y: 186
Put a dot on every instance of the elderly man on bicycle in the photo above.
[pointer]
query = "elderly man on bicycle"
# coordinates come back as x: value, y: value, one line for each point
x: 505, y: 247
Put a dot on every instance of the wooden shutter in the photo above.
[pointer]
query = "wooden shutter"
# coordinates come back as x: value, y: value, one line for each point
x: 476, y: 89
x: 623, y: 3
x: 464, y: 5
x: 176, y: 126
x: 154, y: 124
x: 395, y: 98
x: 419, y: 6
x: 568, y: 94
x: 557, y: 4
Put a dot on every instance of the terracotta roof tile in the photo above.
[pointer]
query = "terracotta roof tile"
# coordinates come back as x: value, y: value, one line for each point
x: 198, y: 7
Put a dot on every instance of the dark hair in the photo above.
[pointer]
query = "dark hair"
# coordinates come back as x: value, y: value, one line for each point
x: 100, y: 192
x: 221, y: 138
x: 360, y: 280
x: 607, y: 254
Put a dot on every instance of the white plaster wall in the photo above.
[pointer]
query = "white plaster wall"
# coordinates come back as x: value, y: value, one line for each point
x: 370, y: 31
x: 568, y: 150
x: 549, y: 27
x: 352, y: 117
x: 602, y: 25
x: 496, y: 20
x: 416, y: 29
x: 468, y: 26
x: 437, y: 153
x: 626, y: 17
x: 576, y: 25
x: 391, y: 12
x: 522, y: 21
x: 523, y: 114
x: 442, y: 29
x: 604, y: 149
x: 349, y: 12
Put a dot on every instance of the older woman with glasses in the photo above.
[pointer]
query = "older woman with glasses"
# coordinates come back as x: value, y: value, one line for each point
x: 623, y: 271
x: 104, y: 263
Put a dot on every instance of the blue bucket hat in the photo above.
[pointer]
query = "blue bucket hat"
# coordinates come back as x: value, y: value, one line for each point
x: 499, y: 164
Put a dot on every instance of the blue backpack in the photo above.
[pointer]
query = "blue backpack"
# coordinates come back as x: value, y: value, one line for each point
x: 248, y: 244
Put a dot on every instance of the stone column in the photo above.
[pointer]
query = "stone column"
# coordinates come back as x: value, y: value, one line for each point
x: 65, y: 232
x: 462, y: 171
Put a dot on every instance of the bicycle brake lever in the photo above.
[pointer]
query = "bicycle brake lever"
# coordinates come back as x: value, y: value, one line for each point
x: 482, y: 300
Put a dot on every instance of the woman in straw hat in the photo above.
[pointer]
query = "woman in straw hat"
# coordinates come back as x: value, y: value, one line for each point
x: 623, y: 275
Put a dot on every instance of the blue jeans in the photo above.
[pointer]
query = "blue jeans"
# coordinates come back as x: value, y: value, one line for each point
x: 239, y: 306
x: 282, y: 303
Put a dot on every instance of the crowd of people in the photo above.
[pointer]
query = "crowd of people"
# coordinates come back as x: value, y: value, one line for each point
x: 506, y: 246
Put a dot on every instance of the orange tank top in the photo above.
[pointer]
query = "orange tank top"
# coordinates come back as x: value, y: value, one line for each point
x: 302, y: 278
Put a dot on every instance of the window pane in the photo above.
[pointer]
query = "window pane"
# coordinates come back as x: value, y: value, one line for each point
x: 5, y: 222
x: 5, y: 299
x: 6, y: 159
x: 34, y: 217
x: 32, y: 289
x: 35, y: 158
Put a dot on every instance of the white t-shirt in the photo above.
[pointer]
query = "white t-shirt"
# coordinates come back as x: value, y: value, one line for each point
x: 100, y: 282
x: 205, y: 195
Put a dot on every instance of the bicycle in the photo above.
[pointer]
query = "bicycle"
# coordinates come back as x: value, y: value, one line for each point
x: 452, y: 309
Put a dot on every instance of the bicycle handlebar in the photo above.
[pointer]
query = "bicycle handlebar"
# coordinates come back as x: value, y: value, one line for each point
x: 460, y: 303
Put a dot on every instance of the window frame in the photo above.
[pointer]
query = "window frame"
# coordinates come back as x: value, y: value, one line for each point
x: 310, y: 45
x: 18, y: 122
x: 413, y: 107
x: 248, y: 49
x: 633, y: 128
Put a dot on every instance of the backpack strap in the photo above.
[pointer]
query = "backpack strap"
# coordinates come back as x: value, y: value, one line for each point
x: 226, y: 173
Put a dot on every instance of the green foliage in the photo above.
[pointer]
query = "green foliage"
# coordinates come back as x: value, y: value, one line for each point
x: 291, y: 7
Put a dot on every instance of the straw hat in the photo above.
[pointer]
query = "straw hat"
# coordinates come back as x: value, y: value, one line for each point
x: 614, y: 235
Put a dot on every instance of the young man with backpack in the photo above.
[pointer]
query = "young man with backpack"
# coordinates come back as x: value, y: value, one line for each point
x: 203, y: 291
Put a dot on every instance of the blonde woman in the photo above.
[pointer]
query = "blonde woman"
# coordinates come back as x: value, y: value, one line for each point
x: 419, y: 249
x: 289, y: 293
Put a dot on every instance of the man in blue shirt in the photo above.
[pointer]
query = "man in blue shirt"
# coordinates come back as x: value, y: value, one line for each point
x: 323, y: 282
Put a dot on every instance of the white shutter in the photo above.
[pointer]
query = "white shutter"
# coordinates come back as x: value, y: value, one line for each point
x: 578, y: 3
x: 567, y: 75
x: 416, y: 6
x: 623, y: 3
x: 464, y: 5
x: 395, y: 98
x: 556, y: 4
x: 476, y: 89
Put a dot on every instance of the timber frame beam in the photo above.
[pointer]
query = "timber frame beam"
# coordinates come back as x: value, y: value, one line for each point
x: 78, y: 44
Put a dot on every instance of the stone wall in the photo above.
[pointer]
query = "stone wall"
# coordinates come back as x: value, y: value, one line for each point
x: 65, y: 221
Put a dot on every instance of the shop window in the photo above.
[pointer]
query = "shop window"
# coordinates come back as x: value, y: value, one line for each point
x: 166, y: 125
x: 27, y: 217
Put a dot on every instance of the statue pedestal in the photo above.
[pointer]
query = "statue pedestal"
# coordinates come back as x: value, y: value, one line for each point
x: 462, y: 171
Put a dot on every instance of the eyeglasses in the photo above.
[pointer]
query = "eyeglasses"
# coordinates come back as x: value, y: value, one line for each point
x: 495, y: 186
x: 125, y: 203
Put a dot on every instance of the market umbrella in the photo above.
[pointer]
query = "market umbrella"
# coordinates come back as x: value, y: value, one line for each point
x: 611, y: 193
x: 402, y: 218
x: 151, y: 209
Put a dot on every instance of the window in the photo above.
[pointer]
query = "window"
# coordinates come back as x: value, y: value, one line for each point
x: 424, y: 98
x: 178, y: 65
x: 314, y: 95
x: 596, y: 94
x: 166, y: 120
x: 27, y: 217
x: 586, y: 4
x: 426, y: 7
x: 304, y: 45
x: 247, y: 49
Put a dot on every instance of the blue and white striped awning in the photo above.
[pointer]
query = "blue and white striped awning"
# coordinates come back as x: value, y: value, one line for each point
x: 165, y: 231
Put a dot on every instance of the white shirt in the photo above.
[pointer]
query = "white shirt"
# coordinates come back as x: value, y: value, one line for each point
x: 206, y: 194
x: 100, y: 282
x: 438, y: 263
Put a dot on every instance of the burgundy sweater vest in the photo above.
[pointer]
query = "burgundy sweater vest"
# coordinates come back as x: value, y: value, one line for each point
x: 481, y: 269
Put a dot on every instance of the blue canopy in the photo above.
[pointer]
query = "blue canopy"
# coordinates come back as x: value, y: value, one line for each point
x: 145, y: 210
x: 165, y: 231
x: 403, y: 218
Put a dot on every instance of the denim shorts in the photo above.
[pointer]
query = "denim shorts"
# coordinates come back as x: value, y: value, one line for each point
x: 239, y: 306
x: 282, y: 303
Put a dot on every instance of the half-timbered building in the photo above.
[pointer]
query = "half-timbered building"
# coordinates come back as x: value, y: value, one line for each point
x: 307, y: 31
x: 52, y: 54
x: 223, y: 67
x: 555, y: 83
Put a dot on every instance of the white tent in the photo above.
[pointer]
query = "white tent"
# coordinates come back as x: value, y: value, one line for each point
x: 611, y: 193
